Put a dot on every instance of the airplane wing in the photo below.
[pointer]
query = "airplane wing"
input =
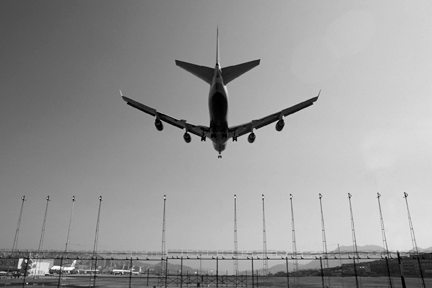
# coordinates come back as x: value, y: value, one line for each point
x: 243, y: 129
x: 182, y: 124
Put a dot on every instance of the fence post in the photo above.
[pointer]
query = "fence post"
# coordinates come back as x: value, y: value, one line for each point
x: 253, y: 280
x: 287, y: 271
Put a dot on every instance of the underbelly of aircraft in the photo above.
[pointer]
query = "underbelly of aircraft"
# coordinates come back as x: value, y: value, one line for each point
x: 218, y: 105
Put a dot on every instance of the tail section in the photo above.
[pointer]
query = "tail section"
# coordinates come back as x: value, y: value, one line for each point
x: 206, y: 73
x: 232, y: 72
x: 202, y: 72
x: 217, y: 46
x: 73, y: 263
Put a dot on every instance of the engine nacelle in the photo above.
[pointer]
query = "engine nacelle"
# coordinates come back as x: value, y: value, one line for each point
x: 159, y: 125
x: 280, y: 125
x: 251, y: 137
x: 187, y: 137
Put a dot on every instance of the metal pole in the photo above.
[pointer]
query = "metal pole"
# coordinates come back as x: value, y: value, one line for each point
x: 181, y: 272
x: 265, y: 261
x: 384, y: 241
x: 414, y: 240
x: 166, y: 271
x: 217, y: 272
x: 293, y: 236
x: 25, y: 271
x: 15, y: 243
x: 401, y: 270
x: 42, y: 236
x: 340, y: 261
x: 235, y: 237
x: 94, y: 272
x: 130, y: 273
x: 70, y: 222
x: 163, y: 230
x: 97, y: 228
x: 326, y: 263
x: 322, y: 273
x: 253, y: 280
x: 354, y: 241
x: 43, y: 225
x: 287, y: 270
x: 60, y: 272
x: 96, y: 240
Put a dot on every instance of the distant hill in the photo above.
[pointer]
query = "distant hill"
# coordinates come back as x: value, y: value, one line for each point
x: 282, y: 267
x: 422, y: 250
x: 315, y: 264
x: 175, y: 267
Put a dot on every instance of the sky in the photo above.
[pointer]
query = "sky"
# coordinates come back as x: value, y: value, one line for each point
x: 65, y: 131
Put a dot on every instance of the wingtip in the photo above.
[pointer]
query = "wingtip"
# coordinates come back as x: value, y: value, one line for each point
x: 319, y: 93
x: 121, y: 94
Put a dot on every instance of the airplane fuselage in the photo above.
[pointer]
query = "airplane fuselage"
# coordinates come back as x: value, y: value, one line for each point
x: 218, y: 108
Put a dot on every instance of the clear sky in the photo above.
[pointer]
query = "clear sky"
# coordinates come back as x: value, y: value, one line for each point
x: 66, y: 131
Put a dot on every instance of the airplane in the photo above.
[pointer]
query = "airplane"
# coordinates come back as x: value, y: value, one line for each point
x: 64, y: 268
x: 124, y: 271
x: 88, y: 271
x: 219, y: 132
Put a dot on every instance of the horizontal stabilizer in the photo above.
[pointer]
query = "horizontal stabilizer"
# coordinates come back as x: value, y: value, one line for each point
x: 202, y: 72
x: 232, y: 72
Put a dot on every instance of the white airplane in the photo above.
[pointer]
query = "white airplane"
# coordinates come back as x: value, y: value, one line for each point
x: 64, y: 268
x: 124, y: 271
x: 219, y: 132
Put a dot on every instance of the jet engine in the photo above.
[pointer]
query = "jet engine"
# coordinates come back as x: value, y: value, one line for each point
x: 280, y: 125
x: 159, y: 125
x: 251, y: 137
x: 187, y: 137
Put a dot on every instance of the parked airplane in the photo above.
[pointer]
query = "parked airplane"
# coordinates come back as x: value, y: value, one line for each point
x: 219, y: 132
x: 124, y: 271
x: 64, y: 268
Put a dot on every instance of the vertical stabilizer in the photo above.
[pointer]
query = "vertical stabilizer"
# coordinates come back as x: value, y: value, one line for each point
x: 217, y: 46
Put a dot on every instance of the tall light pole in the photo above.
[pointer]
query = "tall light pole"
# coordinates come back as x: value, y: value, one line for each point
x: 384, y: 238
x: 70, y: 223
x: 326, y: 263
x: 235, y: 238
x: 15, y: 243
x: 414, y: 240
x: 265, y: 261
x: 354, y: 241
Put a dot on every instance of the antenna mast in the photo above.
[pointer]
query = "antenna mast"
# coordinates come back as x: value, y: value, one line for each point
x: 413, y: 240
x: 43, y: 225
x: 354, y: 240
x: 15, y: 243
x: 265, y: 261
x: 235, y: 237
x: 326, y: 263
x: 97, y: 228
x: 70, y: 222
x: 163, y: 231
x: 294, y: 246
x: 384, y: 240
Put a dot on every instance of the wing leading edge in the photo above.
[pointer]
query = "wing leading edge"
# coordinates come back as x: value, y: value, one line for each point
x: 182, y: 124
x: 240, y: 130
